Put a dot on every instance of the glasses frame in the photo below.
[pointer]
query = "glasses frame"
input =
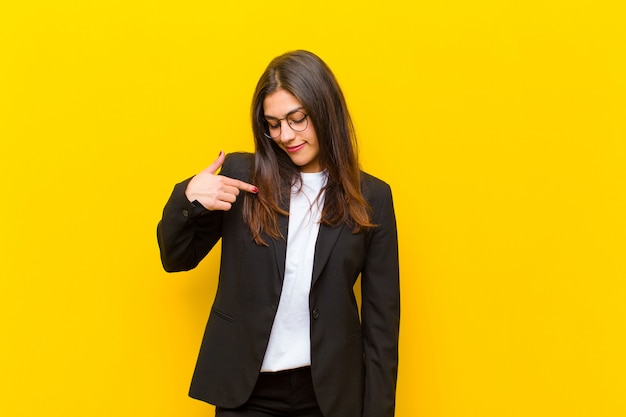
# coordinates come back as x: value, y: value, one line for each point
x: 286, y: 118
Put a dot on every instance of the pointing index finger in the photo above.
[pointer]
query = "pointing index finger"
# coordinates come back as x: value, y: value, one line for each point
x: 244, y: 186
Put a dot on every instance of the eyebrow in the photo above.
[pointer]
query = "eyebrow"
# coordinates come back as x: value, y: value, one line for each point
x: 286, y: 115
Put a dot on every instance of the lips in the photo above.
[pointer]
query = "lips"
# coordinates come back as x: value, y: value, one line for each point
x: 292, y: 149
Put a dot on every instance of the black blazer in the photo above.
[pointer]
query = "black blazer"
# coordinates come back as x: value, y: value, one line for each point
x: 353, y: 359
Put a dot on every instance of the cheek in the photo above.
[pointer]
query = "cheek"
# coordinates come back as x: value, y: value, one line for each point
x: 311, y: 133
x: 313, y: 140
x: 315, y: 145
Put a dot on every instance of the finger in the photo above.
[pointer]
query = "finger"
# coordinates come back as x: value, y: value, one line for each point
x: 243, y: 186
x: 230, y: 190
x: 221, y: 205
x: 217, y: 163
x: 227, y: 197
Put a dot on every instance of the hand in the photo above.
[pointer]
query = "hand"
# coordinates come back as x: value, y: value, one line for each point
x: 216, y: 192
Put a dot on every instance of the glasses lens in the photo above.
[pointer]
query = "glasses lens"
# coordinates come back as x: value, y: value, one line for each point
x: 272, y: 128
x: 298, y: 121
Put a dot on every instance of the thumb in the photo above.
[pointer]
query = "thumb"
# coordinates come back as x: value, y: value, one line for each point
x: 217, y: 163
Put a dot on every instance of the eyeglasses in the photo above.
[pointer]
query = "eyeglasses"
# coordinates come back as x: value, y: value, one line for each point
x: 297, y: 121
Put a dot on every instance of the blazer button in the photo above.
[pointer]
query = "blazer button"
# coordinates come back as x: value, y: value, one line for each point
x: 316, y: 314
x: 186, y: 213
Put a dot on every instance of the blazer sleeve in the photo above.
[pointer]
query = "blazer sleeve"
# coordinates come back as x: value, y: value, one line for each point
x: 186, y: 232
x: 380, y: 309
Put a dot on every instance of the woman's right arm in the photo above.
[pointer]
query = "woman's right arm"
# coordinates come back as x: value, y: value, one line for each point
x: 192, y: 218
x: 187, y: 231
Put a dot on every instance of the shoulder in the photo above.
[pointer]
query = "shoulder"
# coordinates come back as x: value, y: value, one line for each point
x: 377, y: 193
x: 238, y: 165
x: 374, y: 188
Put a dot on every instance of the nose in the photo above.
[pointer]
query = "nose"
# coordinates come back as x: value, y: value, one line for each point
x: 286, y: 132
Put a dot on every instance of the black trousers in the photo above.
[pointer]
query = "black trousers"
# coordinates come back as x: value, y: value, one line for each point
x: 279, y: 394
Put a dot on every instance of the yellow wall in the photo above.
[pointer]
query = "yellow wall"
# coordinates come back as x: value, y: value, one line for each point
x: 500, y: 126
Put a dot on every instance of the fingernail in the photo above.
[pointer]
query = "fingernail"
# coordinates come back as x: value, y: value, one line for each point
x: 255, y: 190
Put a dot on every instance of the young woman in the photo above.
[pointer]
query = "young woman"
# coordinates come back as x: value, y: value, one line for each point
x: 299, y: 223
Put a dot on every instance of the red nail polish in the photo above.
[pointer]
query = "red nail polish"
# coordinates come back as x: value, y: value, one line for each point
x: 255, y: 190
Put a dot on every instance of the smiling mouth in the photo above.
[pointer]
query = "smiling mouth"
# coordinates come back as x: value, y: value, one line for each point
x: 295, y: 148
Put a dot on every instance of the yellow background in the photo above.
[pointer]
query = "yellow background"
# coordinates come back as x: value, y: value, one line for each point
x: 500, y: 126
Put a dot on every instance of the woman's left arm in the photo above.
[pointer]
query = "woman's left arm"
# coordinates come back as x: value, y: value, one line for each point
x: 380, y: 308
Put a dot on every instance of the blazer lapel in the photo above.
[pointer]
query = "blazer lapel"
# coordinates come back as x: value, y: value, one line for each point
x: 326, y: 240
x: 280, y: 247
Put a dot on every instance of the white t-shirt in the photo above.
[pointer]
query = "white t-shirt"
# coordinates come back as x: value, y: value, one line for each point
x: 290, y: 340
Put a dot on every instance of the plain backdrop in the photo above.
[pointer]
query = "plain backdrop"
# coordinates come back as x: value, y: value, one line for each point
x: 500, y: 126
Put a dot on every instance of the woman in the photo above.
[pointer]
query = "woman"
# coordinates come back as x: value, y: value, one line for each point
x: 299, y: 223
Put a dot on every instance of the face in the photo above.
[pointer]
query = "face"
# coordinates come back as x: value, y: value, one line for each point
x: 281, y: 108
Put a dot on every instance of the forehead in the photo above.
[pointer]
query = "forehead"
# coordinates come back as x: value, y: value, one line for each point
x: 280, y: 103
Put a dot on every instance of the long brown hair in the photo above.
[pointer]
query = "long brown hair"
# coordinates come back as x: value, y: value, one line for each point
x: 308, y: 78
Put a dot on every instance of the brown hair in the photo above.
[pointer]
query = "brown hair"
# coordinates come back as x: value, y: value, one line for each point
x: 308, y: 78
